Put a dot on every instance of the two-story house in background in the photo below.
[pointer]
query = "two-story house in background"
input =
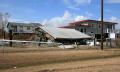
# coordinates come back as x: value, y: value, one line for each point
x: 93, y: 27
x: 23, y: 31
x: 23, y: 27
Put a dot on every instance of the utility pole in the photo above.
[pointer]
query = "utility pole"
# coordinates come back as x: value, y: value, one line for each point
x: 102, y: 14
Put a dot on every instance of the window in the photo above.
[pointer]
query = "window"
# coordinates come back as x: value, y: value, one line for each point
x: 28, y: 28
x: 81, y: 30
x: 109, y: 26
x: 99, y: 26
x: 85, y: 30
x: 14, y: 28
x: 21, y: 27
x: 92, y: 25
x: 92, y: 32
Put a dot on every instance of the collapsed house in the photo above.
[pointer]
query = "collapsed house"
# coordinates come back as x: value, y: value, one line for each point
x: 61, y: 35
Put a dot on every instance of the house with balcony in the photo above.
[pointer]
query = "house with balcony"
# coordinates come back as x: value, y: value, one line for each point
x: 23, y: 27
x: 93, y: 27
x: 23, y: 31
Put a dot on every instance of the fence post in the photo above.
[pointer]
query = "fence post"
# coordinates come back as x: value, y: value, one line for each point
x: 10, y: 37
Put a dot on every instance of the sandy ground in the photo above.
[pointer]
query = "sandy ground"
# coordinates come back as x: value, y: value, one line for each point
x: 56, y: 60
x: 99, y: 65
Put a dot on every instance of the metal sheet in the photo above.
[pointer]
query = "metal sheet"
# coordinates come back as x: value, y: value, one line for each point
x: 64, y: 33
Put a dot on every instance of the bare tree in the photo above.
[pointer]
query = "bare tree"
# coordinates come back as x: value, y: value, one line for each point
x: 4, y: 21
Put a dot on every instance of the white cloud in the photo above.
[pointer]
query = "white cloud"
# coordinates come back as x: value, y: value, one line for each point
x: 21, y: 21
x: 67, y: 15
x: 15, y: 20
x: 113, y: 1
x: 74, y: 8
x: 74, y: 4
x: 57, y: 22
x: 78, y: 18
x: 115, y: 19
x: 44, y: 22
x: 63, y: 20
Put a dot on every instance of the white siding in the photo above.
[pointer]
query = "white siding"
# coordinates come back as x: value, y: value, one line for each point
x: 25, y: 30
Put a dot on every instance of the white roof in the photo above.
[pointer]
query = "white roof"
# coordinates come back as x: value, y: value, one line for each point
x: 64, y: 33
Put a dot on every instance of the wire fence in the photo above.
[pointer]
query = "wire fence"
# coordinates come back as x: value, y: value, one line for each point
x: 5, y: 42
x: 31, y: 40
x: 26, y: 46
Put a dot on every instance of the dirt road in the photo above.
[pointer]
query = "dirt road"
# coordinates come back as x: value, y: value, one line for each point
x: 98, y: 65
x: 60, y: 60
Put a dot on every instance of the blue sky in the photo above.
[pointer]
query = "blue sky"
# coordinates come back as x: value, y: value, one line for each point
x: 59, y: 12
